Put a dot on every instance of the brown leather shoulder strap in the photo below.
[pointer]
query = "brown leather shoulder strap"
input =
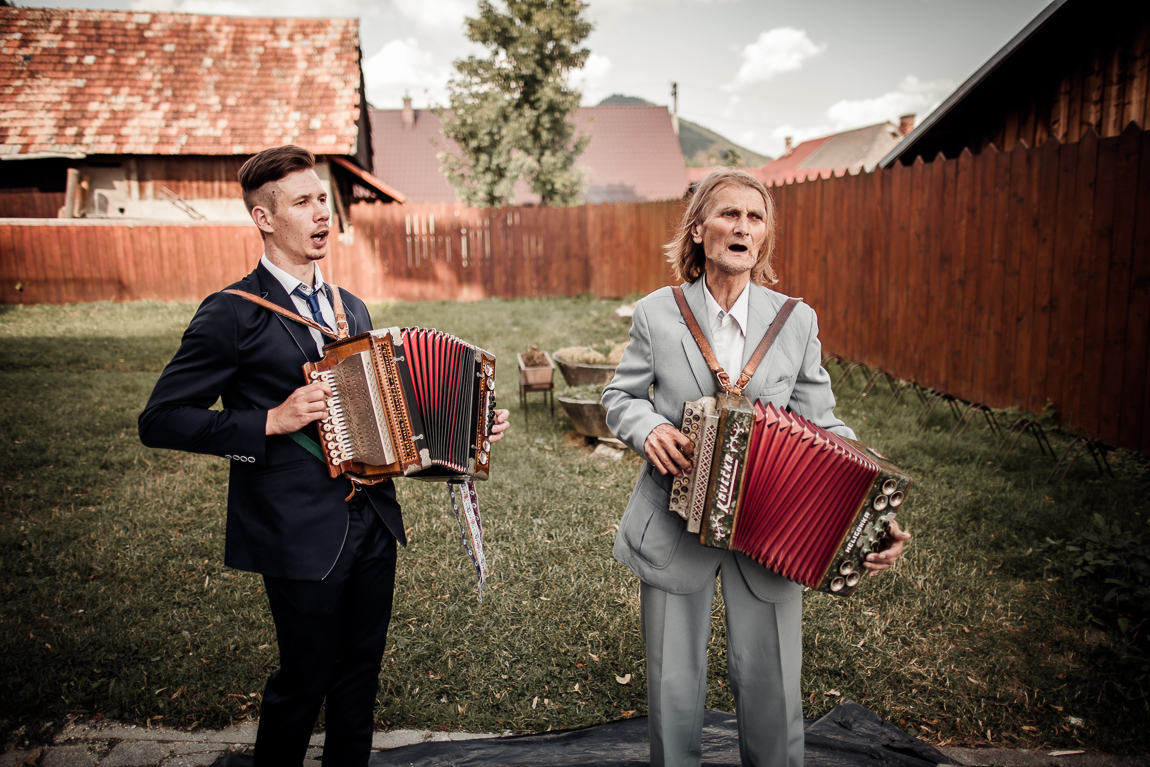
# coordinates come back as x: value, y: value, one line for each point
x: 258, y: 300
x: 700, y: 339
x: 340, y: 314
x: 765, y: 345
x: 761, y: 350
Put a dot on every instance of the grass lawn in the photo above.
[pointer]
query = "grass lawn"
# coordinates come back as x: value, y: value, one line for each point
x: 1018, y: 616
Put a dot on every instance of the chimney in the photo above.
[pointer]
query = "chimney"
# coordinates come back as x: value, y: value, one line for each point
x: 675, y: 108
x: 408, y: 114
x: 789, y: 147
x: 906, y: 124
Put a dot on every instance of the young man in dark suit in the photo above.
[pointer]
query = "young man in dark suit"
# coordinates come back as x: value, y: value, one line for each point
x: 326, y: 551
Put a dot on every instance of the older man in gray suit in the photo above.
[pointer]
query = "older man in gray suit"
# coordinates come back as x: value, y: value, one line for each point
x: 722, y: 250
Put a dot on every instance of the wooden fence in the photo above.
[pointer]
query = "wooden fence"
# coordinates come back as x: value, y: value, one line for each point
x: 401, y: 252
x: 1016, y: 278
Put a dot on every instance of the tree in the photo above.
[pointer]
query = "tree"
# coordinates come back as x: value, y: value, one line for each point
x: 509, y: 110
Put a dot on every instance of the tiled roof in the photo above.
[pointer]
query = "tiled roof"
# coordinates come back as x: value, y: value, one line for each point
x: 633, y: 155
x: 108, y: 82
x: 406, y: 158
x: 839, y: 153
x: 847, y: 152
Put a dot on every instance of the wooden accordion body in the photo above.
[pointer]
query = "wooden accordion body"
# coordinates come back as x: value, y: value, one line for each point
x: 806, y: 503
x: 413, y: 402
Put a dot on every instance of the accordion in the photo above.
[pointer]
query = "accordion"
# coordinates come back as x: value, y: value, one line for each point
x: 805, y: 503
x: 413, y: 402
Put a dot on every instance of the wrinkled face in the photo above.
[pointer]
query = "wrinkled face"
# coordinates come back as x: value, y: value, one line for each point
x: 734, y: 230
x: 296, y: 221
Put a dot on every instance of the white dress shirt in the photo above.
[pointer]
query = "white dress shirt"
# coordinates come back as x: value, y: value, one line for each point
x: 728, y: 331
x: 301, y: 306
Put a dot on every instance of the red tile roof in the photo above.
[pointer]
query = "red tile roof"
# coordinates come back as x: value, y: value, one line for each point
x: 108, y: 82
x: 633, y: 155
x: 839, y: 153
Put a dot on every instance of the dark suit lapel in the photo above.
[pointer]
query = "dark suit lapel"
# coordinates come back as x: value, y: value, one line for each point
x: 696, y: 299
x: 272, y: 290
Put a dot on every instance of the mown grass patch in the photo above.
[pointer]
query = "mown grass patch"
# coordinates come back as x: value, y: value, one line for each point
x: 116, y: 602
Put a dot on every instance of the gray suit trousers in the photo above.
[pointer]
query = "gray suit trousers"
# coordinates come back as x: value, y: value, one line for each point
x: 764, y: 659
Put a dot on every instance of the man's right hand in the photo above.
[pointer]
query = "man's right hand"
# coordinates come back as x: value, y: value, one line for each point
x: 306, y: 404
x: 669, y: 450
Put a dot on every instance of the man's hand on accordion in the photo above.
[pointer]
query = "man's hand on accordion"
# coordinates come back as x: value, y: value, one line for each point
x: 892, y: 549
x: 501, y: 425
x: 306, y: 404
x: 669, y: 450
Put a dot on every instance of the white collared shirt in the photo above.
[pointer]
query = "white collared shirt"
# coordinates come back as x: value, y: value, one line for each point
x: 728, y: 330
x: 301, y: 306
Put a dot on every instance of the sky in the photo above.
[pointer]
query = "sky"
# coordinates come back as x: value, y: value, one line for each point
x: 755, y: 71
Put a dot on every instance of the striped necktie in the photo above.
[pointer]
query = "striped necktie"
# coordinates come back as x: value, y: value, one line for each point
x: 312, y: 303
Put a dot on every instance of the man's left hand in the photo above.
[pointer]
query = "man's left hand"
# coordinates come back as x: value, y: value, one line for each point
x: 501, y: 425
x: 889, y: 554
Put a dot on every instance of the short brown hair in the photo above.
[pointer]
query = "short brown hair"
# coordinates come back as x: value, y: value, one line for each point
x: 271, y: 165
x: 688, y: 259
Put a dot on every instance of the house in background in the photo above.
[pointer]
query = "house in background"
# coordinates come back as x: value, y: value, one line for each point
x: 851, y: 151
x: 149, y: 116
x: 1078, y: 66
x: 633, y: 155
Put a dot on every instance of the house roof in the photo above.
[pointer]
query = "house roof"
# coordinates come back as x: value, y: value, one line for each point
x: 846, y: 152
x: 78, y: 82
x: 633, y: 155
x: 914, y: 139
x: 839, y: 153
x: 406, y: 157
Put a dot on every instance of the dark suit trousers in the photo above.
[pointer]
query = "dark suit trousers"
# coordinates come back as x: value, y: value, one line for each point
x: 331, y: 636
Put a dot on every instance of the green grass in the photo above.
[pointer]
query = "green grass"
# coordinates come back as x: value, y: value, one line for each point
x: 116, y: 602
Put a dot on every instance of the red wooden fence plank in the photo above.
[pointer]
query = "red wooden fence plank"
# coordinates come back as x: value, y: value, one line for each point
x: 1001, y: 388
x: 1075, y: 301
x: 1024, y: 181
x: 1063, y: 279
x: 1132, y: 431
x: 936, y: 254
x: 1095, y: 285
x: 1118, y: 286
x: 1049, y: 158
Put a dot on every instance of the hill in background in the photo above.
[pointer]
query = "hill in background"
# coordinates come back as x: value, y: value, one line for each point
x: 701, y: 146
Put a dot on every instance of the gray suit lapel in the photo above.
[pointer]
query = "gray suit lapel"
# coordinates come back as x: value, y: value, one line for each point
x: 761, y: 311
x: 708, y: 384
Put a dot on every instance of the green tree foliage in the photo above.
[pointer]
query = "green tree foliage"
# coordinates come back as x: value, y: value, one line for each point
x: 509, y: 110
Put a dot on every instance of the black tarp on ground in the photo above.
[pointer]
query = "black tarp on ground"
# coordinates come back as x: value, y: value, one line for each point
x: 848, y: 736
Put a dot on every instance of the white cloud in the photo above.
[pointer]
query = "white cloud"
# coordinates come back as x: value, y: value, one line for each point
x: 591, y: 79
x: 779, y: 50
x: 436, y: 14
x: 402, y: 67
x: 913, y: 96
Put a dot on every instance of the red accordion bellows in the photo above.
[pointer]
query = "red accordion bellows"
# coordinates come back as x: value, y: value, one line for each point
x: 802, y: 489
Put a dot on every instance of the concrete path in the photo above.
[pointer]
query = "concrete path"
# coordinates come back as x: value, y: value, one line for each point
x: 117, y: 745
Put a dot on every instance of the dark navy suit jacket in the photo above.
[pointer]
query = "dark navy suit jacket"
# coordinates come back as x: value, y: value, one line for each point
x: 286, y: 517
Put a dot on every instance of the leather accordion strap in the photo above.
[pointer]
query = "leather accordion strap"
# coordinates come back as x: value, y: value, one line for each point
x: 295, y: 317
x: 760, y: 351
x: 340, y: 314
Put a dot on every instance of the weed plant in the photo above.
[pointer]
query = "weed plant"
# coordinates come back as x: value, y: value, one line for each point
x: 1017, y: 616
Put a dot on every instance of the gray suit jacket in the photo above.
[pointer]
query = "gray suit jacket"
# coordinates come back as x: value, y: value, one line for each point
x: 652, y: 540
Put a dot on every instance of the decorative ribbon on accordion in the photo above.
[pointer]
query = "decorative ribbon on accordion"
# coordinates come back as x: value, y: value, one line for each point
x: 470, y: 527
